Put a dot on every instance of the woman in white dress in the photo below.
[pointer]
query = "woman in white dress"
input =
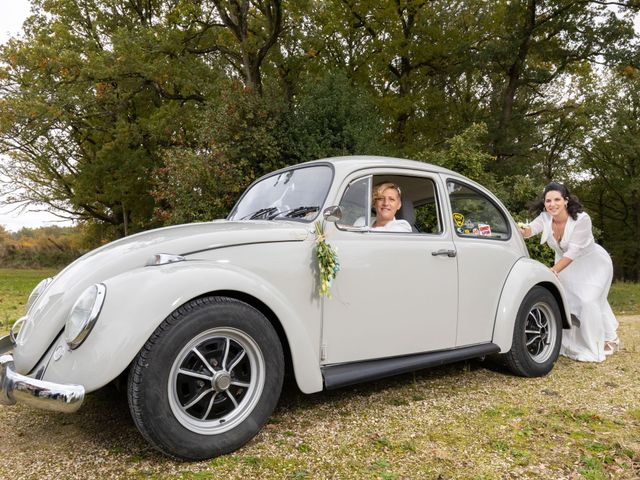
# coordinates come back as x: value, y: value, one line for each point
x: 584, y: 269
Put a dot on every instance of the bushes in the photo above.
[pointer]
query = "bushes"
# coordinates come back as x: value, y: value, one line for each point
x: 48, y: 247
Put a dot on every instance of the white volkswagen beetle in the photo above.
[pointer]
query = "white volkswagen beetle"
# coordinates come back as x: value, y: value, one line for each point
x: 203, y: 319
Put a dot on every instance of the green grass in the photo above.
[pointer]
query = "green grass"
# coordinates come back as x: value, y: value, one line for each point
x: 624, y: 298
x: 15, y: 287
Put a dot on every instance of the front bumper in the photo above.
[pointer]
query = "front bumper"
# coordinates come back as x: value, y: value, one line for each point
x: 36, y: 393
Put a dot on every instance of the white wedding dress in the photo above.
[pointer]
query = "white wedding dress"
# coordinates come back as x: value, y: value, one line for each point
x: 586, y: 281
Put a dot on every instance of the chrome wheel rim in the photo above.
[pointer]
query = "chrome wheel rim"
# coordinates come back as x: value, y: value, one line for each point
x: 216, y: 381
x: 540, y: 332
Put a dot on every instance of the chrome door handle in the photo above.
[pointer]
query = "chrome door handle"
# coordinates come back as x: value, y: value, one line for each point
x: 444, y: 251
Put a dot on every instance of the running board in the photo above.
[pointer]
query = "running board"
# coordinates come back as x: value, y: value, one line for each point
x: 343, y: 374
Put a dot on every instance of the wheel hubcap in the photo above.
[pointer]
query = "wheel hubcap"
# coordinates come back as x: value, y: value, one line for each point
x: 216, y: 380
x: 540, y: 332
x: 221, y: 381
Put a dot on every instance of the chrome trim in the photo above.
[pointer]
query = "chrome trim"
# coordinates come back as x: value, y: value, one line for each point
x: 16, y: 388
x: 15, y: 330
x: 163, y: 259
x: 444, y: 251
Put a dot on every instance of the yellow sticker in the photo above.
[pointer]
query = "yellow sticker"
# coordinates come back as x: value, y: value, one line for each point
x: 459, y: 219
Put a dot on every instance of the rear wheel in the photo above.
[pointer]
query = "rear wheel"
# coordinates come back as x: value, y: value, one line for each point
x: 537, y: 335
x: 207, y: 379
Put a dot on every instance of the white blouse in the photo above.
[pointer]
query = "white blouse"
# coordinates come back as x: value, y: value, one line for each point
x: 576, y: 240
x: 394, y: 226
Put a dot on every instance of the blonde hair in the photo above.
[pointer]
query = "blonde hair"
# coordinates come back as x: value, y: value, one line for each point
x: 381, y: 187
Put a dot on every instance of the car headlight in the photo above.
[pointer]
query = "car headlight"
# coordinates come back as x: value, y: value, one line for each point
x: 36, y: 292
x: 84, y: 314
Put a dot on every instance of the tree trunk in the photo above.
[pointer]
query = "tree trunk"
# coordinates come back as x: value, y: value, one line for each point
x: 513, y: 81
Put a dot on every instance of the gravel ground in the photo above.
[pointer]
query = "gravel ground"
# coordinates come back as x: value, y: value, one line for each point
x: 468, y: 420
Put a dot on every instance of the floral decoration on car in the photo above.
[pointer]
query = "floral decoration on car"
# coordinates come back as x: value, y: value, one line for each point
x: 328, y: 265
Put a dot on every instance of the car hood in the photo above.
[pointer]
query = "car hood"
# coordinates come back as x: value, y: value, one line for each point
x: 47, y: 316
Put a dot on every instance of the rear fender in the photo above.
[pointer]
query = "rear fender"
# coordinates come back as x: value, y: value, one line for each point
x: 525, y: 274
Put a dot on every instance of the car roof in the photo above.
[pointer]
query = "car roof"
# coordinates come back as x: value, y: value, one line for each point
x: 362, y: 161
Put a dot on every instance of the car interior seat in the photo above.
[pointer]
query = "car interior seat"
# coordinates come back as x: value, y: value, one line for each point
x: 407, y: 213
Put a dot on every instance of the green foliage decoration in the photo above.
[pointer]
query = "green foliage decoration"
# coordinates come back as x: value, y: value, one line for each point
x: 328, y: 264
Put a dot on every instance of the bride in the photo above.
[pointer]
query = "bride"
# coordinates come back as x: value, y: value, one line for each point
x: 584, y: 269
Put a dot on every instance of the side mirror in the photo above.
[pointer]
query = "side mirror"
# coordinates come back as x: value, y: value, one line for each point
x: 332, y: 213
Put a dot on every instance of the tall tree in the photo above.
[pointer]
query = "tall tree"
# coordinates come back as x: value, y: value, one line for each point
x: 612, y: 160
x: 88, y: 97
x: 403, y: 50
x: 537, y: 44
x: 242, y: 31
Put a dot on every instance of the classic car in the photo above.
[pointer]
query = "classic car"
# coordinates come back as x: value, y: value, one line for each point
x: 202, y: 320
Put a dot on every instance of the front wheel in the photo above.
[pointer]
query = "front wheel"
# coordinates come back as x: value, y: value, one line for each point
x: 537, y: 335
x: 207, y: 379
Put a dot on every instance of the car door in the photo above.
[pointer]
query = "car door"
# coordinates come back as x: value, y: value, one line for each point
x: 482, y: 240
x: 396, y: 293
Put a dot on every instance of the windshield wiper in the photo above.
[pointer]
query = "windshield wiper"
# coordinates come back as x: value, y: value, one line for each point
x: 297, y: 212
x: 262, y: 213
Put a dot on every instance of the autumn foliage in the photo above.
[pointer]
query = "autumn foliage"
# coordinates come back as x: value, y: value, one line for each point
x: 41, y: 247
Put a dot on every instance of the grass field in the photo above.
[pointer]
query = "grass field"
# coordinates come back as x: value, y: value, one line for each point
x: 15, y: 287
x: 470, y: 420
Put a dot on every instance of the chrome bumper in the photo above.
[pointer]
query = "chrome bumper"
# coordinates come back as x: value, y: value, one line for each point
x: 36, y: 393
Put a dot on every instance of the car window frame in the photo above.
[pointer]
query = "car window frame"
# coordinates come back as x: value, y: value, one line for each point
x: 495, y: 204
x: 280, y: 172
x: 433, y: 177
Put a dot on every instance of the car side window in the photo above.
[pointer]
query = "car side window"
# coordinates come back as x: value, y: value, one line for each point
x: 419, y: 203
x: 474, y: 214
x: 427, y: 214
x: 355, y: 204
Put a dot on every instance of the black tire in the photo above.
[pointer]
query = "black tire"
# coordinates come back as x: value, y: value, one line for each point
x: 537, y: 335
x: 207, y: 379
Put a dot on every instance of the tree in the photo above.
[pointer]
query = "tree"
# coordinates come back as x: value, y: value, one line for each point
x: 540, y: 44
x: 244, y: 136
x: 242, y: 31
x: 249, y: 135
x: 332, y: 117
x: 612, y: 160
x: 88, y: 98
x: 403, y: 52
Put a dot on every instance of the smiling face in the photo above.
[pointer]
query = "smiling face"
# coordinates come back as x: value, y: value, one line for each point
x: 555, y: 204
x: 387, y: 203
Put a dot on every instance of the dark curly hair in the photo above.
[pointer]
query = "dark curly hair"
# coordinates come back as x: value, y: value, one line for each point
x: 574, y: 207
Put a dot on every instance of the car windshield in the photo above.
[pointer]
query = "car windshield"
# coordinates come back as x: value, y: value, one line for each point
x: 294, y: 194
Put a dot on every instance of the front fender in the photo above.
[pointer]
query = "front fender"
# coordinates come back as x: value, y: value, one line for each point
x: 139, y: 300
x: 524, y: 275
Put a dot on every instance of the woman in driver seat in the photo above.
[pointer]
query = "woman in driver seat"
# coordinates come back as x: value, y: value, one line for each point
x: 386, y: 201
